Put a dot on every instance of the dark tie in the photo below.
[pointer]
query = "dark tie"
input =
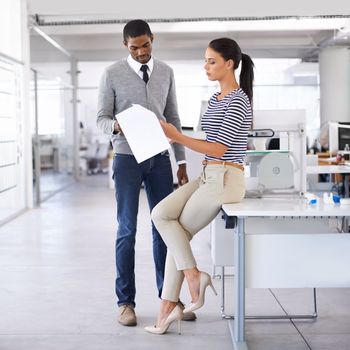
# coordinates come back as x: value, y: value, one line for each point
x: 145, y: 77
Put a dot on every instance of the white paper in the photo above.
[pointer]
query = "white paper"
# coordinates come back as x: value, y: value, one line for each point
x: 143, y: 132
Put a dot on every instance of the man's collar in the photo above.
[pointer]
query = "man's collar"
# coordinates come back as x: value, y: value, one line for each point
x: 136, y: 66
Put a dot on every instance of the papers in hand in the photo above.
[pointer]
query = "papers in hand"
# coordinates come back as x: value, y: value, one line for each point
x: 143, y: 132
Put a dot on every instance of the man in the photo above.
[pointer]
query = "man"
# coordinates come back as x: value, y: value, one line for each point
x: 140, y: 79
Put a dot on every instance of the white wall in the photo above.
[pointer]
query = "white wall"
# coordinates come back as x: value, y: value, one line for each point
x: 335, y: 84
x: 274, y: 89
x: 15, y: 150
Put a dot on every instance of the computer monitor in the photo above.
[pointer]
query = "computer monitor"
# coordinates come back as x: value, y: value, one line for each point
x: 343, y: 135
x: 339, y: 133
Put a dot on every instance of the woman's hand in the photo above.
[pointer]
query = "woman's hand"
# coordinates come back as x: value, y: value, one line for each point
x: 170, y: 130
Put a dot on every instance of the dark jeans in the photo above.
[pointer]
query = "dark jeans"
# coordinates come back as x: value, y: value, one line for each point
x: 128, y: 176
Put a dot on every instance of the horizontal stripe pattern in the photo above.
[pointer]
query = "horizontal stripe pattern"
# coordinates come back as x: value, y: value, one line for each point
x: 227, y: 121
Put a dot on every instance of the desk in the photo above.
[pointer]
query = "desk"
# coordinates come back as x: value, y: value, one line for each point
x: 332, y: 169
x: 267, y: 207
x: 328, y: 169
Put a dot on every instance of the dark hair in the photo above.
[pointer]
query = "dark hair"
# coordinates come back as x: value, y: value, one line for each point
x: 136, y: 27
x: 230, y: 50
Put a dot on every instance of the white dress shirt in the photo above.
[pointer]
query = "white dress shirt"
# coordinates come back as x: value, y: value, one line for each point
x: 136, y: 66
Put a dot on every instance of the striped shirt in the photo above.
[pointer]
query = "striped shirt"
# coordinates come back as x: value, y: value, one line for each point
x: 227, y: 122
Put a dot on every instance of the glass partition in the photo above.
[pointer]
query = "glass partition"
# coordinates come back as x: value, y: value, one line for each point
x: 52, y: 118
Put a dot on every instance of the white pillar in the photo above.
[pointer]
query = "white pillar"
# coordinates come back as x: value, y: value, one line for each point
x: 334, y: 63
x: 74, y: 78
x: 26, y: 107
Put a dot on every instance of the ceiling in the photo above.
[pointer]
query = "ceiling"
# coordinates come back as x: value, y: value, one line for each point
x: 95, y: 37
x: 187, y: 9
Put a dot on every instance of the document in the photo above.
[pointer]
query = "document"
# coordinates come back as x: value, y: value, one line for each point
x: 143, y: 132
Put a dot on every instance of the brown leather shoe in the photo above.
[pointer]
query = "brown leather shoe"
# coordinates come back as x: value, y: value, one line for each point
x: 188, y: 316
x: 127, y: 316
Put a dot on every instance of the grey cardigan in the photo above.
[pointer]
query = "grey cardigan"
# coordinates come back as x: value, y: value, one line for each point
x: 121, y: 86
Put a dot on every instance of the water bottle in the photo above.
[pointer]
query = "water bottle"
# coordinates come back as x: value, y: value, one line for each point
x: 347, y: 149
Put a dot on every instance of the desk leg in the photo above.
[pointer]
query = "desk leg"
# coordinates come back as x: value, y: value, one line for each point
x: 237, y: 326
x: 346, y: 185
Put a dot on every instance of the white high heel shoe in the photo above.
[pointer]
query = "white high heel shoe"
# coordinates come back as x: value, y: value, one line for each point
x: 175, y: 315
x: 204, y: 282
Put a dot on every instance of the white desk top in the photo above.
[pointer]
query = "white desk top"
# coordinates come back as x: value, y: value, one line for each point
x: 283, y: 206
x: 328, y: 169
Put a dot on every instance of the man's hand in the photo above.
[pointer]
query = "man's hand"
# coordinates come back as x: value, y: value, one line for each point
x: 182, y: 177
x: 117, y: 129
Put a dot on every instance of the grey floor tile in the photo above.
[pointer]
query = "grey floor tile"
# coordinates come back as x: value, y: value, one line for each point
x: 112, y: 342
x: 273, y: 342
x: 329, y: 341
x: 324, y: 325
x: 333, y: 306
x: 259, y: 302
x: 261, y: 327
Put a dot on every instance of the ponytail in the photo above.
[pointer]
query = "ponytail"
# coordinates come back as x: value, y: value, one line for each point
x: 230, y: 50
x: 247, y: 76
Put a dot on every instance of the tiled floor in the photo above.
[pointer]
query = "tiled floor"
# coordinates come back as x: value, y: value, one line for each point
x: 57, y: 287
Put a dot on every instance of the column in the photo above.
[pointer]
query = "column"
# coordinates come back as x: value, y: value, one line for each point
x: 334, y: 65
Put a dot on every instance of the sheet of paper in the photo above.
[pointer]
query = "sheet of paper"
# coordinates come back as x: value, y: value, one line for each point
x: 143, y: 132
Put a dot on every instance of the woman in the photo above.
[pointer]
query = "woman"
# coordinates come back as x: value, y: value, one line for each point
x: 193, y: 206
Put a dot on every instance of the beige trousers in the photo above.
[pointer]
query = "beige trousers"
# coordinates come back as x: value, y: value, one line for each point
x: 186, y: 211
